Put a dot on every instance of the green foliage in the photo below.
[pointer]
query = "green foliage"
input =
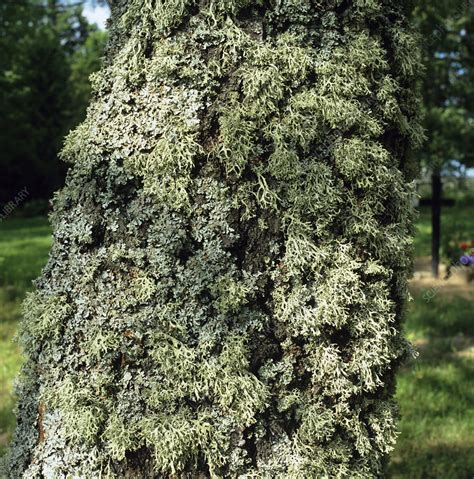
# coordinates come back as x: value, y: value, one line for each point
x: 447, y: 27
x: 85, y: 60
x: 48, y: 52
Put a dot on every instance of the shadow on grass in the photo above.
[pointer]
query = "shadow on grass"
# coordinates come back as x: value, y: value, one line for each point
x: 435, y: 461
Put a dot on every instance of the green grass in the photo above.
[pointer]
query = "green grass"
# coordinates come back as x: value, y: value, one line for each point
x: 437, y: 424
x: 24, y: 246
x: 435, y: 392
x: 440, y: 317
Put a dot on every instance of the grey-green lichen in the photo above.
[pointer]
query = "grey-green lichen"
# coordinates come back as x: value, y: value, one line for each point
x: 226, y: 288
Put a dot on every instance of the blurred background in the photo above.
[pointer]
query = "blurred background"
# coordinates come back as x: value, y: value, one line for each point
x: 49, y: 49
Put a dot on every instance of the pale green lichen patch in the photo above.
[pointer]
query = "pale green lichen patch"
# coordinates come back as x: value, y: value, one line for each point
x: 44, y: 318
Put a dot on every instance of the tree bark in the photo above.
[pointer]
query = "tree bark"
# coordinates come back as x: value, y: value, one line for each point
x: 436, y: 199
x: 226, y: 287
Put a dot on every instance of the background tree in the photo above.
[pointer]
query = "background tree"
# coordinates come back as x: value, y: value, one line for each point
x: 43, y: 72
x: 86, y: 60
x: 13, y: 101
x: 226, y: 287
x: 448, y: 29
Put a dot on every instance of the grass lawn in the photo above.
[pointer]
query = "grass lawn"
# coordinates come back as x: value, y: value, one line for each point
x: 24, y: 246
x: 435, y: 392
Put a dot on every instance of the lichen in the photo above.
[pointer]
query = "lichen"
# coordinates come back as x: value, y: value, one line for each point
x: 226, y: 287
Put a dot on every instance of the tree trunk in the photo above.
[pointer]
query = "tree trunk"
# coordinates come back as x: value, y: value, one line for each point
x: 436, y: 198
x: 226, y: 287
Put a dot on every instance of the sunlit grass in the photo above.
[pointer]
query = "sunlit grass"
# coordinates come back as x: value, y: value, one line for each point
x: 9, y: 364
x: 436, y: 397
x: 436, y: 392
x: 24, y: 246
x: 440, y: 317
